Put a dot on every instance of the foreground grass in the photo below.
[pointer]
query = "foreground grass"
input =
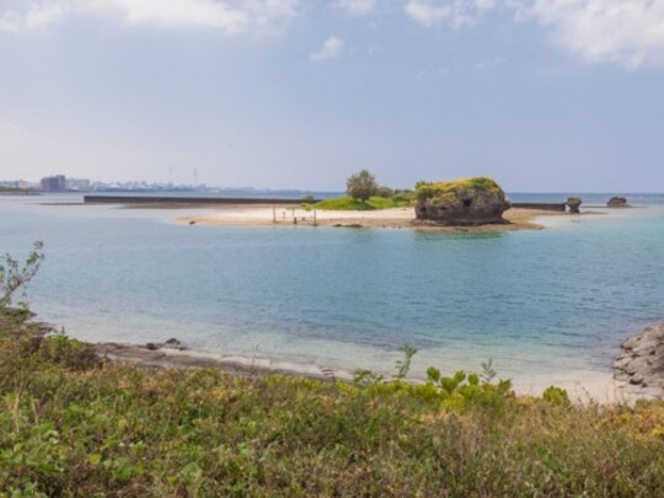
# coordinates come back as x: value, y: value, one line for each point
x: 349, y: 204
x: 71, y: 425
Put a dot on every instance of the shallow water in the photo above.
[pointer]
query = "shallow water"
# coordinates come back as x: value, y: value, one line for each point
x: 548, y: 304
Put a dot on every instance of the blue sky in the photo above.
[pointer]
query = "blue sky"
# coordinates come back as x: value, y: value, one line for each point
x: 542, y: 95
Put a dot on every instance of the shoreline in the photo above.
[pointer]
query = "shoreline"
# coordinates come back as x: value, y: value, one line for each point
x: 583, y: 386
x: 394, y: 218
x: 589, y: 386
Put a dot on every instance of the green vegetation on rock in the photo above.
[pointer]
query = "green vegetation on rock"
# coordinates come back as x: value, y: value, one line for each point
x: 431, y: 190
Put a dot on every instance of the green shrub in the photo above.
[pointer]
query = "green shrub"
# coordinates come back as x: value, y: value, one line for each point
x: 432, y: 190
x: 556, y: 396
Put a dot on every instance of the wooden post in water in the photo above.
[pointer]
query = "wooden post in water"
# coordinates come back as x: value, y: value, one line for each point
x: 315, y: 221
x: 274, y: 214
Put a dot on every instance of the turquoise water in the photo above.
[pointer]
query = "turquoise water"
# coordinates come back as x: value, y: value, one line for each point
x: 539, y: 303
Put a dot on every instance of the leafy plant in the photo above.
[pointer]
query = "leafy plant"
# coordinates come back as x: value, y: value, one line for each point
x: 488, y: 372
x: 363, y: 377
x: 556, y: 396
x: 14, y: 276
x: 403, y: 366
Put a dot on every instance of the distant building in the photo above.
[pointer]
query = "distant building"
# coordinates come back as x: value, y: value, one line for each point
x: 78, y: 184
x: 57, y: 183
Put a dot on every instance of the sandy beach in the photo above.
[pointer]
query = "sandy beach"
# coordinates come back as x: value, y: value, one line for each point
x: 397, y: 218
x: 591, y: 387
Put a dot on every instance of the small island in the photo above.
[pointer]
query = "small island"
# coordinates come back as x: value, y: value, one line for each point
x: 475, y: 204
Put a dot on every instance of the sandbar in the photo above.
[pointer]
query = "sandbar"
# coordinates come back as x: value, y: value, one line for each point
x: 263, y: 216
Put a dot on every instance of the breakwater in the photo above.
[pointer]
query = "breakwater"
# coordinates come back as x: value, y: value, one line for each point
x: 137, y: 199
x: 545, y: 206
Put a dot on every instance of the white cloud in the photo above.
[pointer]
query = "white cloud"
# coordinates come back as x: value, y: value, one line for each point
x: 626, y: 32
x: 331, y: 49
x: 9, y: 22
x: 41, y: 16
x: 357, y: 7
x: 491, y: 63
x: 457, y: 13
x: 228, y: 16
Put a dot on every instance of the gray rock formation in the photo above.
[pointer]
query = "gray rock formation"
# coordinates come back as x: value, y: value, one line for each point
x: 474, y: 201
x: 573, y: 203
x: 642, y: 363
x: 617, y: 202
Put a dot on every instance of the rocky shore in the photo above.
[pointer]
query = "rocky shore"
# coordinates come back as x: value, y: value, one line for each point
x: 172, y: 354
x: 641, y: 364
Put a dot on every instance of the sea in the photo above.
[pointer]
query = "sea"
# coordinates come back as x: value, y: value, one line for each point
x: 546, y: 306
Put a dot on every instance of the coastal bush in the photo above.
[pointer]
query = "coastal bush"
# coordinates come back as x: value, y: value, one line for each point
x: 14, y: 276
x: 383, y: 191
x: 403, y: 197
x: 119, y: 430
x: 362, y: 185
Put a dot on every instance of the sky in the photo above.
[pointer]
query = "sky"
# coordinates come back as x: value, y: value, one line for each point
x: 541, y: 95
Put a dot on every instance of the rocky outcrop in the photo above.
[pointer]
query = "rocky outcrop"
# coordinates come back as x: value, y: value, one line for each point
x: 573, y: 204
x: 617, y: 202
x: 472, y: 201
x: 642, y: 363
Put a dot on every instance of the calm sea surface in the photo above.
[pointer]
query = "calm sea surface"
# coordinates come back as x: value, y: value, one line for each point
x: 552, y: 303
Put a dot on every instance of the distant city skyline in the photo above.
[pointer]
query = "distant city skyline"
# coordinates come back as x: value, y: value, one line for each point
x: 542, y: 95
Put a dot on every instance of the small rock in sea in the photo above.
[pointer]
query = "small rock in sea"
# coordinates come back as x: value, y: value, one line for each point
x: 617, y: 202
x: 175, y: 344
x: 573, y: 203
x: 192, y: 222
x: 152, y: 346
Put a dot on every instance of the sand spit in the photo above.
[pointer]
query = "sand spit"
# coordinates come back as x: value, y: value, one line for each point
x: 258, y: 216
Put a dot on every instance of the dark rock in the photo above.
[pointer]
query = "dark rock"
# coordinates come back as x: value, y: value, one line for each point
x: 173, y: 343
x: 617, y: 202
x: 573, y: 203
x: 473, y: 201
x: 642, y: 362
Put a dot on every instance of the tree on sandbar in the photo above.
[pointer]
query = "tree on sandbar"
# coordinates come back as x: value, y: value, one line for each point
x: 362, y: 185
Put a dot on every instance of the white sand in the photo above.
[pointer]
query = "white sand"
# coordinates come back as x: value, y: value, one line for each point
x: 518, y: 219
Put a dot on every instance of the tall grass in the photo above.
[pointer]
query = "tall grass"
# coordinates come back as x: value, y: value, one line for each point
x: 74, y: 426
